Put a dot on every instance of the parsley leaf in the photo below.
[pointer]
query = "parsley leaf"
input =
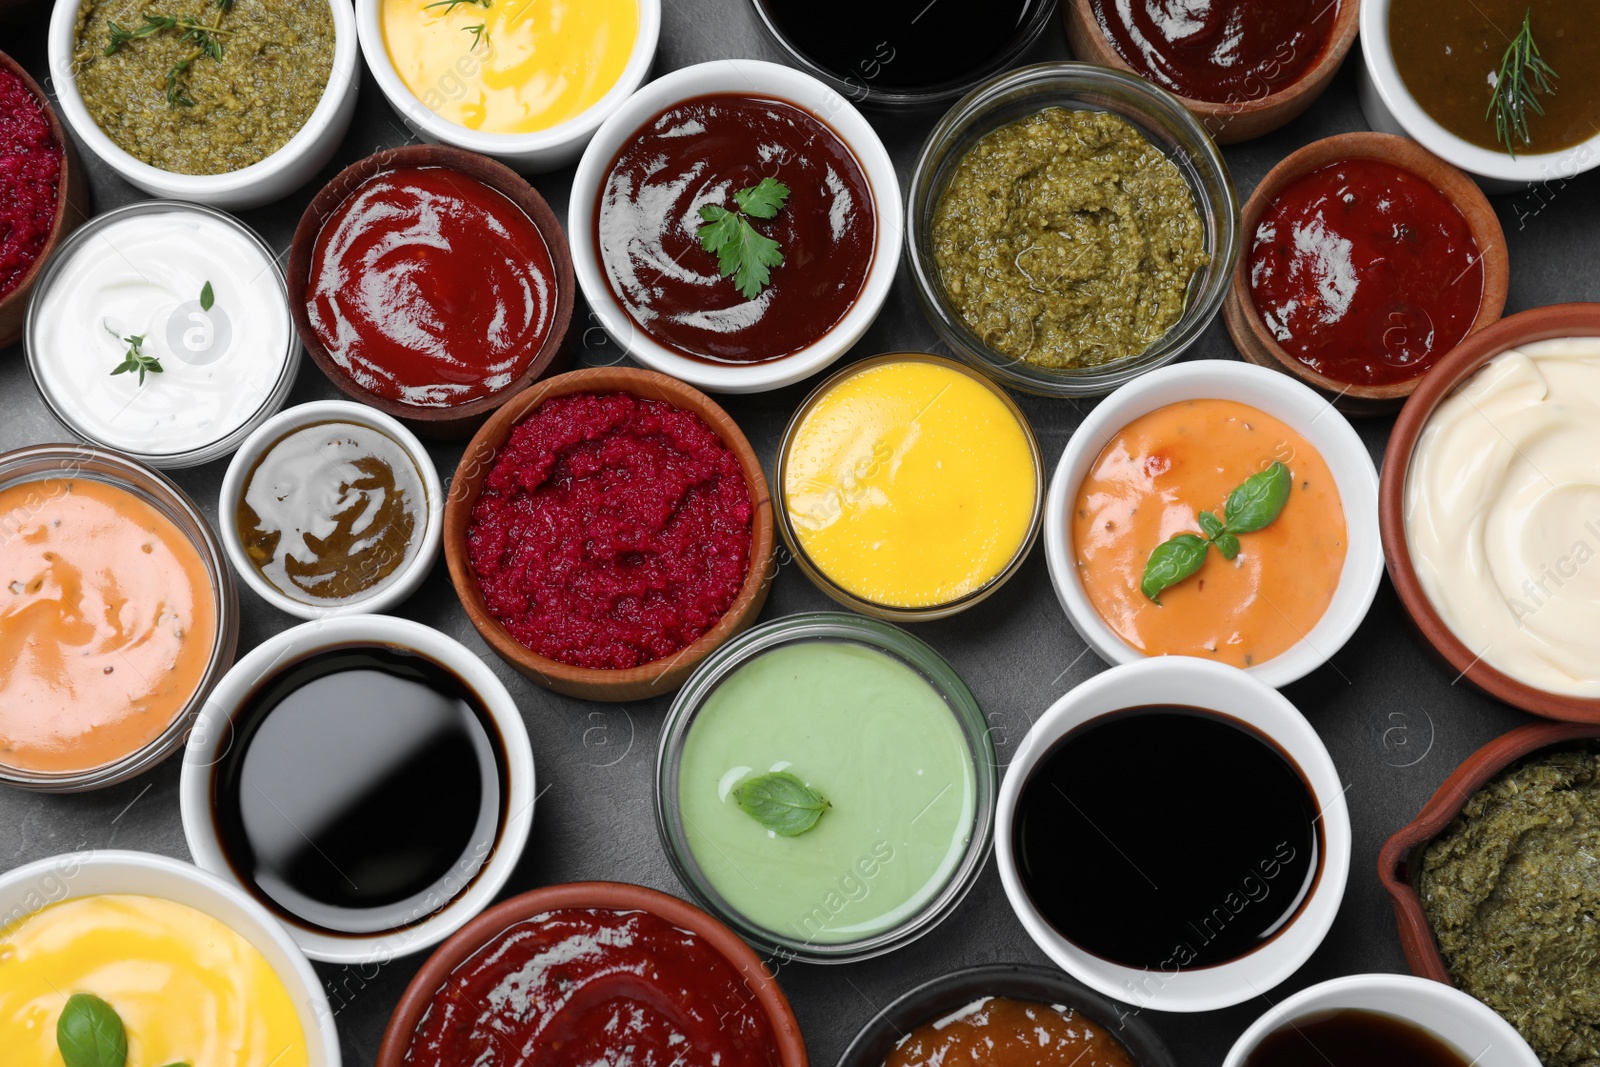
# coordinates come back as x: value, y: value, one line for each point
x: 762, y: 201
x: 742, y: 251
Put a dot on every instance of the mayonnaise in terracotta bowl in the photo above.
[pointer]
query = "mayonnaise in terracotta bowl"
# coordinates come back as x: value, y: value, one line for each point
x: 162, y: 330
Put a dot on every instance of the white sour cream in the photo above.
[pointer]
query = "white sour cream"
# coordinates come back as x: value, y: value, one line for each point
x: 141, y: 274
x: 1502, y: 514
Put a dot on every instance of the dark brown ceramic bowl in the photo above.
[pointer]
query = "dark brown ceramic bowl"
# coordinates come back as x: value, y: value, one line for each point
x: 1239, y: 120
x: 1457, y: 365
x: 604, y: 895
x: 650, y: 679
x: 1239, y: 311
x: 72, y: 208
x: 458, y: 420
x: 1399, y: 856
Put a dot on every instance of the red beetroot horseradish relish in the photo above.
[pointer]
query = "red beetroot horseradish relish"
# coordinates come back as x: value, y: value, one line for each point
x: 1365, y: 273
x: 1220, y: 51
x: 430, y: 288
x: 576, y: 987
x: 611, y: 531
x: 701, y: 152
x: 30, y: 178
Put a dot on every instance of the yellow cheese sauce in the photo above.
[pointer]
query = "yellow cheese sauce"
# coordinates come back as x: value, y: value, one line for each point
x: 187, y: 987
x: 509, y: 66
x: 910, y: 484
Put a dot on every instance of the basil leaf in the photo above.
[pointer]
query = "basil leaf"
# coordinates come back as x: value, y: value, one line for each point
x: 1227, y: 544
x: 90, y: 1033
x: 207, y: 297
x: 780, y: 802
x: 1210, y: 524
x: 1172, y: 562
x: 1259, y: 501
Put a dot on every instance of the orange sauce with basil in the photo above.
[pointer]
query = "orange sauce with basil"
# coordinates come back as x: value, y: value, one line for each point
x: 107, y: 620
x: 1150, y: 483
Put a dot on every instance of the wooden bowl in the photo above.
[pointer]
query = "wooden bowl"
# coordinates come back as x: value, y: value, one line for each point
x: 633, y: 683
x: 459, y: 420
x: 1239, y: 310
x: 1238, y: 120
x: 758, y: 981
x: 72, y: 208
x: 1397, y: 860
x: 1454, y: 368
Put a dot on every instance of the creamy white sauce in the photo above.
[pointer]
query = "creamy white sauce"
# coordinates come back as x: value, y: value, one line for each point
x: 142, y: 275
x: 1502, y: 514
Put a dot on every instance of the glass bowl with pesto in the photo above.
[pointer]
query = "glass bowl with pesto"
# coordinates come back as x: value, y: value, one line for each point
x: 826, y: 786
x: 1070, y: 227
x: 231, y: 103
x: 331, y: 508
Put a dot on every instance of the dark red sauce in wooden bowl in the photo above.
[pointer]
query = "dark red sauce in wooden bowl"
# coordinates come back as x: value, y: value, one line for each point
x: 1365, y: 273
x: 701, y: 152
x: 1219, y: 51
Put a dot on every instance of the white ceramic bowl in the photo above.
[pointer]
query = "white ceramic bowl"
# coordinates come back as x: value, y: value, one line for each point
x: 213, y: 733
x: 1470, y: 1027
x: 1178, y: 680
x: 530, y: 153
x: 271, y: 179
x: 280, y: 426
x: 1279, y: 395
x: 32, y: 886
x: 1390, y: 108
x: 756, y: 78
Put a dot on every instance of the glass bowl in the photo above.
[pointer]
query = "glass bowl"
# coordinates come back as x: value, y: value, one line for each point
x: 899, y: 646
x: 858, y: 88
x: 86, y: 461
x: 820, y: 577
x: 1164, y: 121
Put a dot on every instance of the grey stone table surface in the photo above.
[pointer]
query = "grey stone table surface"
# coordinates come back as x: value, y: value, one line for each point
x: 1396, y: 721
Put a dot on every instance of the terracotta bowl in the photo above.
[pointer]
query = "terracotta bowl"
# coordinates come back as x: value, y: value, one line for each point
x: 1239, y: 312
x: 1239, y: 120
x: 72, y: 208
x: 1398, y: 859
x: 459, y: 420
x: 1457, y: 365
x: 635, y: 683
x: 608, y: 895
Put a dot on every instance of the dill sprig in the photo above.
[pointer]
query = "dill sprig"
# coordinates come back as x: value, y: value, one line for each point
x: 478, y: 32
x: 451, y: 5
x: 1523, y: 76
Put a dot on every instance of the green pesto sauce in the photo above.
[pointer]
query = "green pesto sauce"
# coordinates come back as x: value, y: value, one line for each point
x: 1067, y: 239
x: 277, y: 56
x: 1512, y: 891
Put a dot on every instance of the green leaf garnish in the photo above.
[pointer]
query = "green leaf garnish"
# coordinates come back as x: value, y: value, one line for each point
x: 741, y: 250
x: 200, y: 36
x: 477, y: 32
x: 90, y: 1033
x: 781, y: 802
x: 1523, y: 75
x: 135, y: 359
x: 1253, y: 506
x: 451, y: 5
x: 207, y: 297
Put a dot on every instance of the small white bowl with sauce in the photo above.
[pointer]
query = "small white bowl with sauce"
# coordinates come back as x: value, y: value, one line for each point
x: 1459, y: 1022
x: 26, y: 889
x: 399, y: 580
x: 262, y: 182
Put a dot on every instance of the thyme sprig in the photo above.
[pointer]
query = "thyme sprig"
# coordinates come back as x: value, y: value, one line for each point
x: 479, y: 32
x: 1523, y: 76
x: 134, y: 359
x: 203, y: 39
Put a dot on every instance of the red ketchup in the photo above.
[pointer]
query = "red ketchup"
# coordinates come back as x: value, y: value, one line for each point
x: 430, y: 288
x: 30, y: 173
x: 578, y: 987
x: 1365, y: 273
x: 701, y: 152
x: 611, y: 531
x: 1220, y: 51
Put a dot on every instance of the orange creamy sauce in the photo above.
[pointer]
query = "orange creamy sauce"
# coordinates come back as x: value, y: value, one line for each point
x: 107, y: 619
x: 1150, y: 483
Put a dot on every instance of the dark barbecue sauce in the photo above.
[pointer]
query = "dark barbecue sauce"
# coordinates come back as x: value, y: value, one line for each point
x: 1352, y: 1039
x: 362, y: 789
x: 906, y: 46
x: 701, y: 152
x: 1167, y: 838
